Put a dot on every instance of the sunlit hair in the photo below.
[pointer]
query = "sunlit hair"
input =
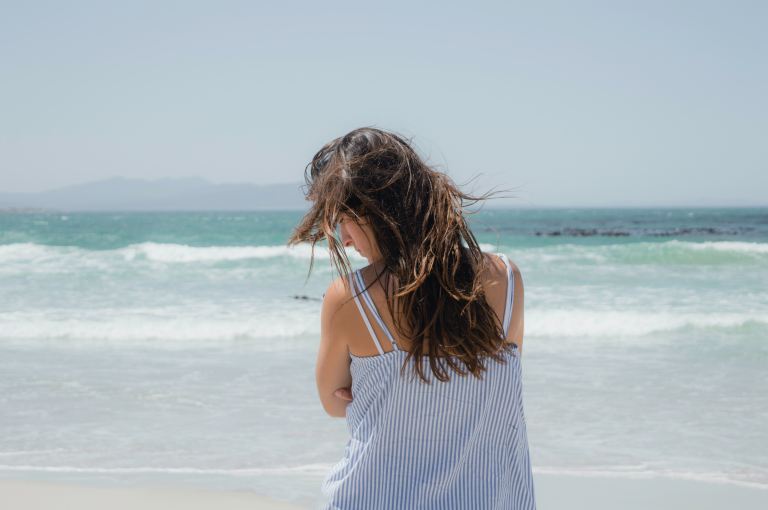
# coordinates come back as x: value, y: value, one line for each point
x: 433, y: 261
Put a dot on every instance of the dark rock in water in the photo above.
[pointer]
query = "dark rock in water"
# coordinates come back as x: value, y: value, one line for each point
x: 681, y: 231
x: 584, y: 232
x: 699, y: 231
x: 304, y: 297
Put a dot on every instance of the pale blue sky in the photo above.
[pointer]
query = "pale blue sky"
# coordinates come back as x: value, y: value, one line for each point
x: 573, y: 103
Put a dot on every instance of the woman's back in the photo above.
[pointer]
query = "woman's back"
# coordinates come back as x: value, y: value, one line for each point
x: 353, y: 331
x: 442, y: 445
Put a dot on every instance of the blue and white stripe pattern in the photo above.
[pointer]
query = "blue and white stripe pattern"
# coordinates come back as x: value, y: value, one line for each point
x: 460, y: 444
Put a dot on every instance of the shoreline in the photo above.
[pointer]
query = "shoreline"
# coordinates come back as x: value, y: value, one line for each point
x: 553, y: 492
x: 670, y: 476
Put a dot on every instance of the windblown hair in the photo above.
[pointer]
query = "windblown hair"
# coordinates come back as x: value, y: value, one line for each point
x: 417, y: 216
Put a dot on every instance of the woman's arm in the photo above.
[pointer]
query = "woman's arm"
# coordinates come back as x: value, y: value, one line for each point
x: 516, y: 325
x: 332, y: 368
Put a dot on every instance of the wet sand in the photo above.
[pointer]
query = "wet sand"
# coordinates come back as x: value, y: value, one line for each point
x: 553, y: 492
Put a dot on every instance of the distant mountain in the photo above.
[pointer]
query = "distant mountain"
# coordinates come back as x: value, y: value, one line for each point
x: 182, y: 194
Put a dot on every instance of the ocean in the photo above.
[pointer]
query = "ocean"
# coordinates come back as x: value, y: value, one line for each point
x: 179, y: 348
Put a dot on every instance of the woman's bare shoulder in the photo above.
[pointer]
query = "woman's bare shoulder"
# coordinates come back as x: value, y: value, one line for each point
x: 499, y: 268
x: 497, y: 291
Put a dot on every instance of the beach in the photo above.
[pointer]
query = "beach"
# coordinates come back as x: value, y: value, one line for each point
x: 554, y: 492
x: 37, y: 495
x: 558, y: 492
x: 176, y: 351
x: 184, y: 185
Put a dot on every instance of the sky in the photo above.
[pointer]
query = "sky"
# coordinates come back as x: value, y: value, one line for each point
x: 573, y: 103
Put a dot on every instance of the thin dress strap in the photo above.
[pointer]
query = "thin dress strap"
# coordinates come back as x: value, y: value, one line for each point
x: 374, y: 311
x: 362, y: 312
x: 510, y: 294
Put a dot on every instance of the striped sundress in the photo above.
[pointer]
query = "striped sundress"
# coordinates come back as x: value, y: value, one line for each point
x: 460, y: 444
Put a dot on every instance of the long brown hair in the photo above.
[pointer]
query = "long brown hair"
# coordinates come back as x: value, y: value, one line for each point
x: 417, y: 216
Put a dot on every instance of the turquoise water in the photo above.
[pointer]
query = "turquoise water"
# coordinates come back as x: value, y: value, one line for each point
x: 153, y: 347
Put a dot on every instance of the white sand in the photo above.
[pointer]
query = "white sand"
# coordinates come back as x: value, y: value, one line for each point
x: 556, y: 492
x: 553, y: 492
x: 34, y: 495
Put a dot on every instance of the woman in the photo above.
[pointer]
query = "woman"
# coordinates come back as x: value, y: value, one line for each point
x: 420, y: 350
